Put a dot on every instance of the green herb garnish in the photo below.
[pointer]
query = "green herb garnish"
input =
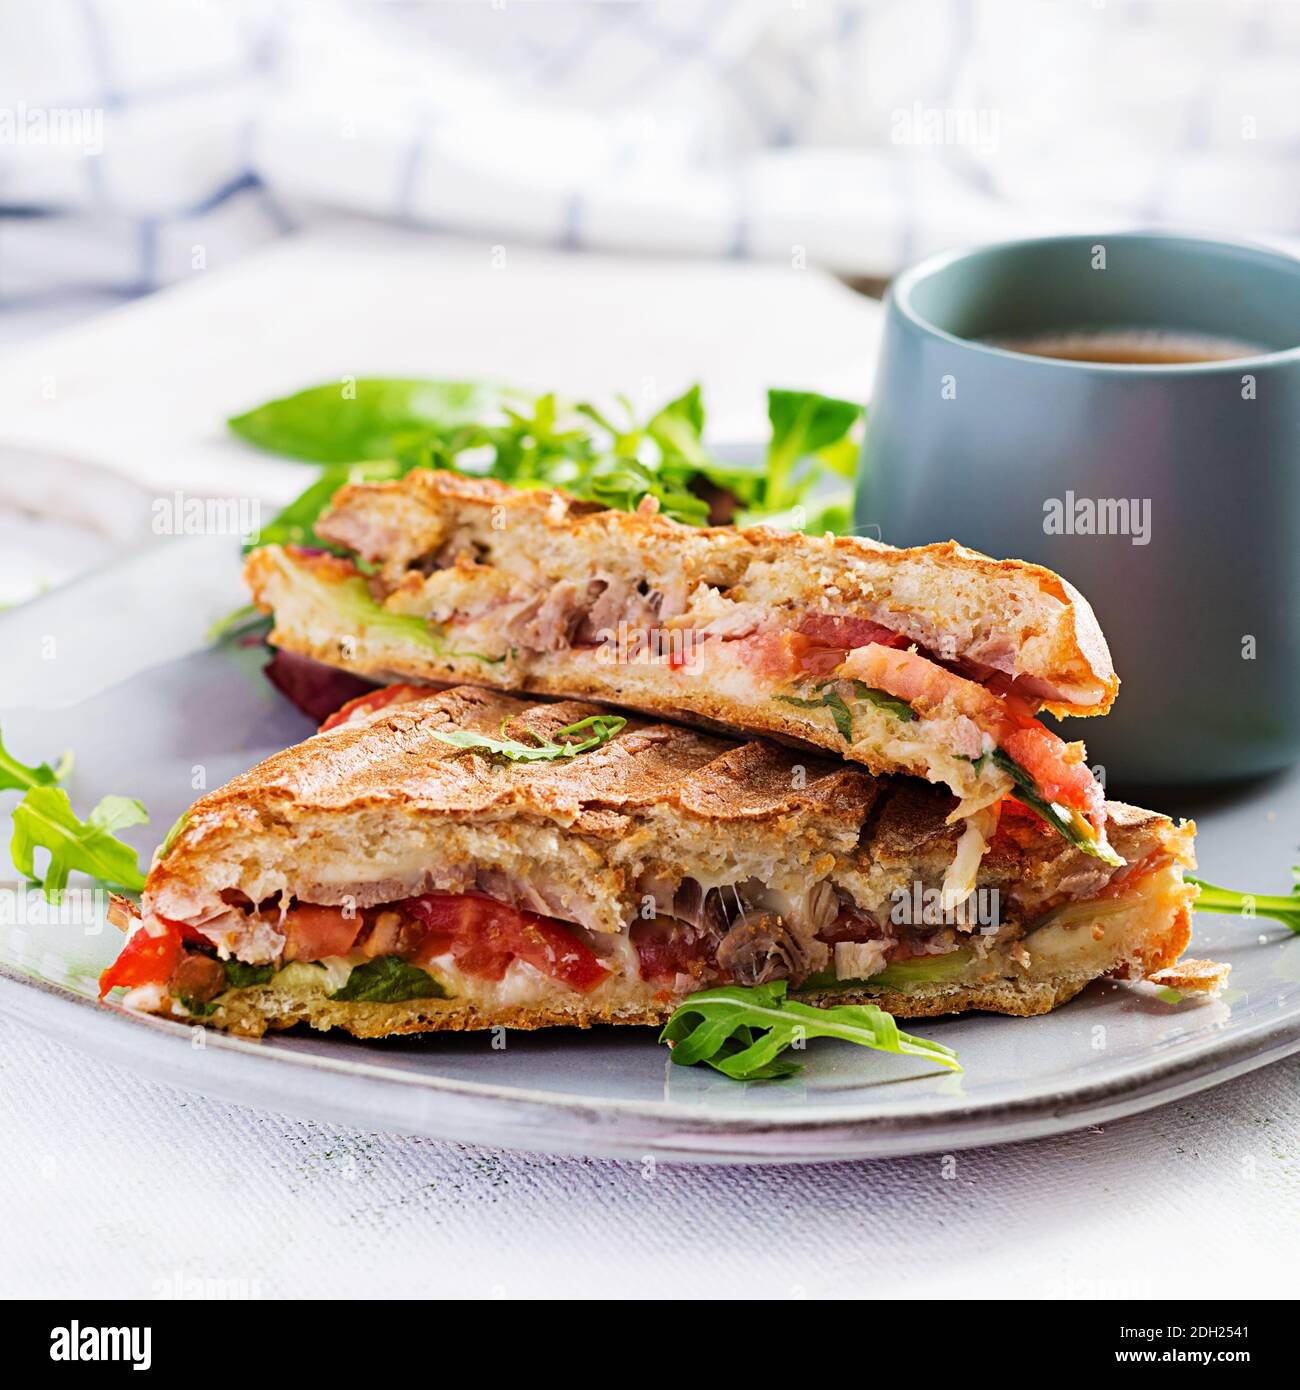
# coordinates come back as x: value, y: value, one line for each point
x: 900, y: 709
x: 828, y: 697
x: 368, y: 418
x: 241, y: 975
x: 831, y: 700
x: 742, y: 1032
x: 375, y: 428
x: 240, y: 622
x: 603, y: 727
x: 16, y: 776
x: 44, y: 819
x: 388, y: 980
x: 810, y: 433
x: 1281, y: 907
x: 1059, y: 818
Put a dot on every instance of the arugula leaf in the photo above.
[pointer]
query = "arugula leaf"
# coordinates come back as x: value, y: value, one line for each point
x: 44, y: 819
x: 1282, y: 907
x: 742, y: 1031
x: 603, y: 726
x: 368, y: 419
x: 388, y: 980
x: 16, y: 776
x: 240, y: 975
x: 1064, y: 822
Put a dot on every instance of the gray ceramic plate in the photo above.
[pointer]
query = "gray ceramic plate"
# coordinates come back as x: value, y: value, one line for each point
x: 115, y: 665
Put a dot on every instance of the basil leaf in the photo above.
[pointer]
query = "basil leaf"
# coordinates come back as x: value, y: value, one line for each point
x: 899, y: 708
x: 840, y: 713
x: 388, y: 980
x: 240, y: 975
x: 365, y: 419
x: 742, y: 1032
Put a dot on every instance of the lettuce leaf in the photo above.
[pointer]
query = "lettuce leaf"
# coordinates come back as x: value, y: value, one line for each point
x: 351, y: 599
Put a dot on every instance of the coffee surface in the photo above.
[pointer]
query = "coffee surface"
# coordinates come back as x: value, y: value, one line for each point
x: 1142, y: 346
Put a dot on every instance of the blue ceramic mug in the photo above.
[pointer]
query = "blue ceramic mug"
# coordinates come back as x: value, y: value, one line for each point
x: 1168, y: 493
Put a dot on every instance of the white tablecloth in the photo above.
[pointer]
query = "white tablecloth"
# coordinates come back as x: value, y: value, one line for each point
x: 118, y: 1186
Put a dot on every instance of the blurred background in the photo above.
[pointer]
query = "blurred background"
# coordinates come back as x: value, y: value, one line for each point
x: 332, y: 187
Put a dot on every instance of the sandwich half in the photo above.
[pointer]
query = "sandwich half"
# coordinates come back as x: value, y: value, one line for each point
x: 934, y: 661
x: 451, y: 861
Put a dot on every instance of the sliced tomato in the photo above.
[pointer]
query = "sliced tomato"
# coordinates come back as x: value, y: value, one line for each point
x: 1059, y: 770
x: 144, y: 960
x: 373, y: 700
x: 835, y: 630
x: 775, y: 655
x: 484, y: 936
x: 1022, y: 710
x: 312, y: 932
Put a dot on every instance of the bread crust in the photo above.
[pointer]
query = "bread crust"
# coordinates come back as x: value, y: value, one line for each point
x: 805, y: 818
x: 397, y: 523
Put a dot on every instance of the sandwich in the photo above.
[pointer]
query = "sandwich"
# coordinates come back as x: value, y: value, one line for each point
x: 472, y: 859
x: 934, y: 662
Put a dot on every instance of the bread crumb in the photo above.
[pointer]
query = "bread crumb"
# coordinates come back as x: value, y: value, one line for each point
x: 1193, y: 977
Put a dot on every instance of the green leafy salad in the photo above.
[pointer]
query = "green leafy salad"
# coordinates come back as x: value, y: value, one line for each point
x: 373, y: 429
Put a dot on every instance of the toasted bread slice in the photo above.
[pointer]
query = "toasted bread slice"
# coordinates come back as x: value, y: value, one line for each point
x: 608, y: 885
x: 930, y: 662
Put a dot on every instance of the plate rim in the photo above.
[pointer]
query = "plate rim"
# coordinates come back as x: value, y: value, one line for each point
x: 557, y: 1122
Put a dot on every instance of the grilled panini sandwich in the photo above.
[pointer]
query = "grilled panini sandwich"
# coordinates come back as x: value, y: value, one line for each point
x: 452, y: 861
x: 934, y: 661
